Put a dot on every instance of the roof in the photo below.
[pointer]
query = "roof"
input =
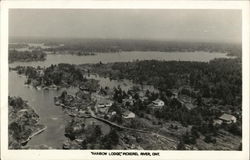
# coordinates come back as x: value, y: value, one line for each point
x: 128, y: 114
x: 217, y: 121
x: 157, y: 101
x: 104, y: 101
x: 226, y: 116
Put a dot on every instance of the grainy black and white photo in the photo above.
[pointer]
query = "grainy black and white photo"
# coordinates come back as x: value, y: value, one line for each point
x: 125, y: 79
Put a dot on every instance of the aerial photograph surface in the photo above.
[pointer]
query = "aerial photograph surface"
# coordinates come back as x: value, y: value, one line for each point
x: 125, y: 79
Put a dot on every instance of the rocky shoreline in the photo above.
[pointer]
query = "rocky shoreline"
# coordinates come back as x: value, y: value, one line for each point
x: 43, y: 128
x: 23, y: 123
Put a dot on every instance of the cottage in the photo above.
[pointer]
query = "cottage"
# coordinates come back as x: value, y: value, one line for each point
x: 84, y: 88
x: 128, y: 115
x: 158, y: 103
x: 104, y: 103
x: 227, y: 118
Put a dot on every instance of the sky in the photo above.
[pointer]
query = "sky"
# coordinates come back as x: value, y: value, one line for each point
x: 150, y: 24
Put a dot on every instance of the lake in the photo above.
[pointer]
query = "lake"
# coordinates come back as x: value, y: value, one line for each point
x: 43, y: 100
x: 125, y: 57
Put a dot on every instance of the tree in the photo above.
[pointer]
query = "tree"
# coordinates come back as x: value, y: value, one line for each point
x: 181, y: 145
x: 97, y: 132
x: 240, y: 147
x: 84, y: 144
x: 114, y: 137
x: 209, y: 139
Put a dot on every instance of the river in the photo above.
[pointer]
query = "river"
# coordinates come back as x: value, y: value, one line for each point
x: 43, y: 100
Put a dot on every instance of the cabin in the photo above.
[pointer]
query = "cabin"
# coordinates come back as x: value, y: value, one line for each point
x: 227, y: 118
x: 84, y: 88
x: 128, y: 115
x: 158, y: 103
x: 104, y: 103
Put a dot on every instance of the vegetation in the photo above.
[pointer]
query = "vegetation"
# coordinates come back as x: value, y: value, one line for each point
x: 214, y: 87
x: 115, y: 45
x: 23, y: 123
x: 61, y: 75
x: 26, y: 56
x: 219, y: 79
x: 83, y: 46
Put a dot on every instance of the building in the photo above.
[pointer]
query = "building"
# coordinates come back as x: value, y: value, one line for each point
x: 217, y: 122
x: 84, y: 88
x: 227, y: 118
x: 103, y: 105
x: 158, y: 103
x: 128, y: 114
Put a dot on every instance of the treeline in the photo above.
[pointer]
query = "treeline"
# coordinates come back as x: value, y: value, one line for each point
x: 26, y: 56
x: 147, y: 45
x: 116, y: 45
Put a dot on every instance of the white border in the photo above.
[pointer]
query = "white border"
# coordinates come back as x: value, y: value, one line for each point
x: 85, y: 154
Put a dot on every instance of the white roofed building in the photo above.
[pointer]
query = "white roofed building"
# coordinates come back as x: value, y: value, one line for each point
x: 227, y: 118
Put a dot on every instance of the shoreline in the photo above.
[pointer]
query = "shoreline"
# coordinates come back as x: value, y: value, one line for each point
x: 34, y: 134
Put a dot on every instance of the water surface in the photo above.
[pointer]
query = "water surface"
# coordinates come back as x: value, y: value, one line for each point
x: 125, y: 57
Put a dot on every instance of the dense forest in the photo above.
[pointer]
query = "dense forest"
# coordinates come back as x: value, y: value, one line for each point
x: 220, y: 79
